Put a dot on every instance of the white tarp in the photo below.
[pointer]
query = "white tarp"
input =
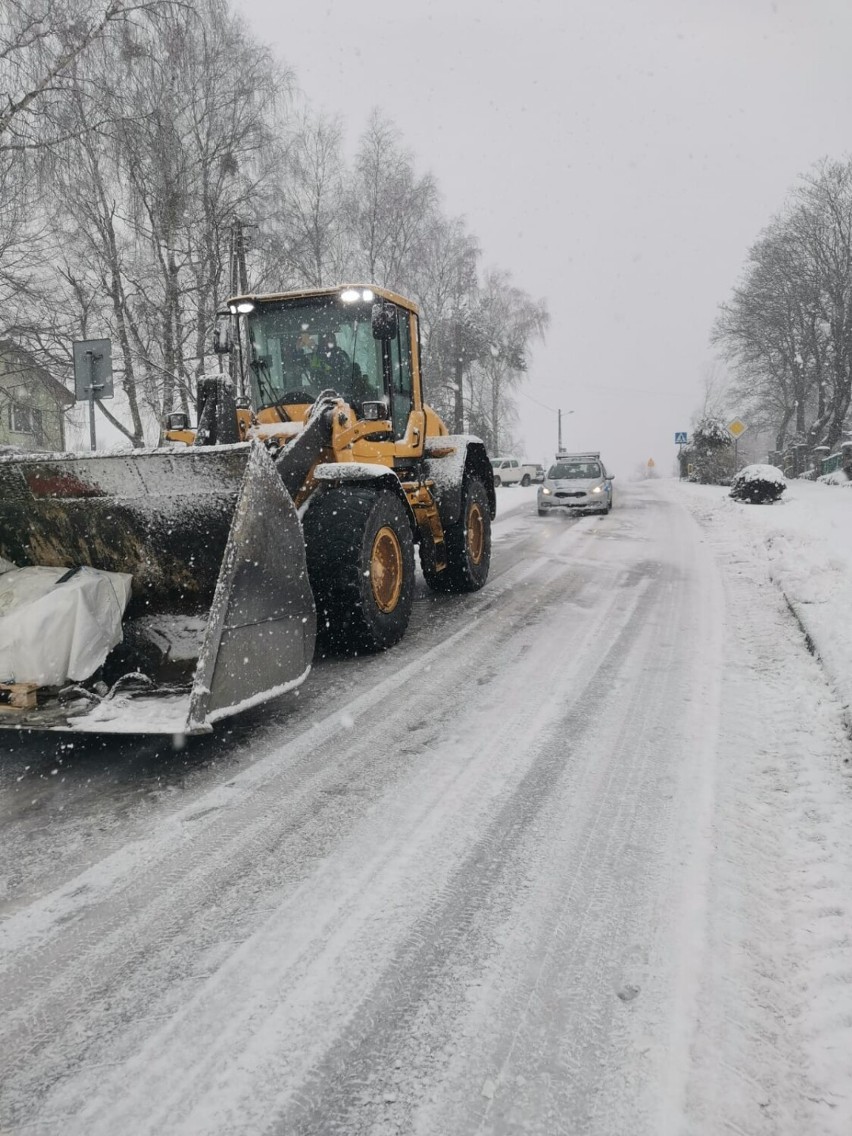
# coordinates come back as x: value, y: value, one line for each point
x: 52, y: 632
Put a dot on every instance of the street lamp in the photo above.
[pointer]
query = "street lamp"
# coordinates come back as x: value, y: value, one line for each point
x: 559, y: 442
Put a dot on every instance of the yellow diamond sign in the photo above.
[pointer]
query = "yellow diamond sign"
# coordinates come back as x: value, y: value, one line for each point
x: 736, y: 428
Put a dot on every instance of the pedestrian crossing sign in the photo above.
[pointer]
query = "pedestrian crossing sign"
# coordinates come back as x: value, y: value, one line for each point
x: 680, y: 438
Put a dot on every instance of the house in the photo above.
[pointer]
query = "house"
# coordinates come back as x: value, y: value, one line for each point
x: 32, y: 402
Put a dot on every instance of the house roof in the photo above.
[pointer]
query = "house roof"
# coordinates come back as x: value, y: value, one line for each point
x: 26, y: 364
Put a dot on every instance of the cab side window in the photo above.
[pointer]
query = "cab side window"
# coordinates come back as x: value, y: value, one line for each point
x: 402, y: 391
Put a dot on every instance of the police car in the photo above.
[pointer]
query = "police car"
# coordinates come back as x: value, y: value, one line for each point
x: 576, y: 483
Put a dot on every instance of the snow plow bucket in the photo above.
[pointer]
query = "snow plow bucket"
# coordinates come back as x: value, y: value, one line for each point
x: 220, y: 615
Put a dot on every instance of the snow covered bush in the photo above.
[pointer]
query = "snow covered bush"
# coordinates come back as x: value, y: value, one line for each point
x: 838, y: 477
x: 758, y: 484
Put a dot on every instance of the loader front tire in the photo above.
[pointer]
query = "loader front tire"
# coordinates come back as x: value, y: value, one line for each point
x: 360, y: 555
x: 468, y: 544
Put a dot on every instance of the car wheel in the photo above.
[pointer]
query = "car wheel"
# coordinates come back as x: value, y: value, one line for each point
x: 542, y: 512
x: 525, y: 480
x: 497, y: 482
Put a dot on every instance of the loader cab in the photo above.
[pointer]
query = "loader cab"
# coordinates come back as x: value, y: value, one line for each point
x: 358, y: 341
x: 298, y: 348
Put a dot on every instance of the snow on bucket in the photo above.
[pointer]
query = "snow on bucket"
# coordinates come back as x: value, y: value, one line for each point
x: 220, y: 614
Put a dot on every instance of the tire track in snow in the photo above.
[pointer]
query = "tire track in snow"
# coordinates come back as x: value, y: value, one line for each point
x: 124, y: 939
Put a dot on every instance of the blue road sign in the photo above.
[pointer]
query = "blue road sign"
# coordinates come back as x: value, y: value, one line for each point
x: 680, y: 438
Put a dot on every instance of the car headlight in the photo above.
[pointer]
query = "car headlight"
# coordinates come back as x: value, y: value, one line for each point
x: 598, y: 489
x: 544, y: 489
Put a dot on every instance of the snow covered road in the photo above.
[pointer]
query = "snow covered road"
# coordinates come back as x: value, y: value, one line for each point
x: 575, y: 857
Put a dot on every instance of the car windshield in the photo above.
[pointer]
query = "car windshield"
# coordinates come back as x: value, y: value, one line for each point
x: 298, y: 348
x: 570, y: 471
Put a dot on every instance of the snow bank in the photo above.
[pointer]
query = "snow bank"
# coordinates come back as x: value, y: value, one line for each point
x: 808, y: 540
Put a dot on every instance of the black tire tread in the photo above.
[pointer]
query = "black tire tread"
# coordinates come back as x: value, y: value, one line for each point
x: 458, y: 576
x: 337, y: 529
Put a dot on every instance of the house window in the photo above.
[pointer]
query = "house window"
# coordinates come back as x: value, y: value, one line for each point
x: 24, y: 419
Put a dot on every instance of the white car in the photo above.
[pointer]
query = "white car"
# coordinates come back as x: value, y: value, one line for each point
x: 511, y: 471
x: 576, y: 483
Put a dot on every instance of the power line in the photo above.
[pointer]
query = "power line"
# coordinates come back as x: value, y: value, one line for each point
x: 552, y: 409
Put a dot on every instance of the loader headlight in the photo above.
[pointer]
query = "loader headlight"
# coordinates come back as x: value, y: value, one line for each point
x: 242, y: 308
x: 353, y: 295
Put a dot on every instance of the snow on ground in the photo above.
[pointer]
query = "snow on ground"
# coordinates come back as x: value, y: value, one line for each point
x: 592, y: 874
x: 777, y: 959
x: 807, y: 538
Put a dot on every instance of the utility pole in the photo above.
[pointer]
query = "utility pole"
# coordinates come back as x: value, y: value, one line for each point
x: 238, y: 287
x: 559, y: 432
x: 458, y: 368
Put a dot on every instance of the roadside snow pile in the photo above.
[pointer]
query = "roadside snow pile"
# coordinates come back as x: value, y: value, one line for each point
x: 758, y: 484
x: 808, y: 544
x: 838, y: 477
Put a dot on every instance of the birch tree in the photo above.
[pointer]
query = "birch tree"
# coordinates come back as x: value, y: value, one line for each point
x: 389, y: 208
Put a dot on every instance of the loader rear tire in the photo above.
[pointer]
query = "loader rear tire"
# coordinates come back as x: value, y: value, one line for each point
x: 360, y: 555
x: 468, y: 544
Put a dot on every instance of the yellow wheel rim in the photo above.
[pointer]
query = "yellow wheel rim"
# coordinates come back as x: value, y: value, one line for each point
x: 475, y: 533
x: 386, y: 569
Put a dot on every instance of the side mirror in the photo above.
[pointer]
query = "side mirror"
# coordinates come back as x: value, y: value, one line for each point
x: 222, y: 342
x: 385, y: 321
x: 374, y: 411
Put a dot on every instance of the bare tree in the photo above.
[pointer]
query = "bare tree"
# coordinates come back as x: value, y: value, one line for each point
x: 389, y: 208
x: 41, y: 44
x: 447, y: 292
x: 306, y: 241
x: 510, y: 321
x: 788, y: 329
x: 186, y: 123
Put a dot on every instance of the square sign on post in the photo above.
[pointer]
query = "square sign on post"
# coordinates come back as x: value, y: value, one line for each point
x: 93, y: 369
x: 92, y: 375
x: 680, y: 438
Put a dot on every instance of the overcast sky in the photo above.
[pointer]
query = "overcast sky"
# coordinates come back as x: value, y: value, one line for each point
x: 618, y: 157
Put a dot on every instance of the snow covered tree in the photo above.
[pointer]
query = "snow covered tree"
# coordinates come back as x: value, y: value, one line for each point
x: 709, y: 453
x: 787, y: 331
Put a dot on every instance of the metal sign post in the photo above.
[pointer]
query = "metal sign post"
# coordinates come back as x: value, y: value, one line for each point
x: 736, y: 429
x: 681, y: 441
x: 92, y: 375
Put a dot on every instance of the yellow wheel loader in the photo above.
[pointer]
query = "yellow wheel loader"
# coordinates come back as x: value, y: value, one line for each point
x: 285, y: 521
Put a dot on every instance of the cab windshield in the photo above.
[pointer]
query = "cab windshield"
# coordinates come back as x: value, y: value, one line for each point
x: 571, y: 471
x: 299, y: 348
